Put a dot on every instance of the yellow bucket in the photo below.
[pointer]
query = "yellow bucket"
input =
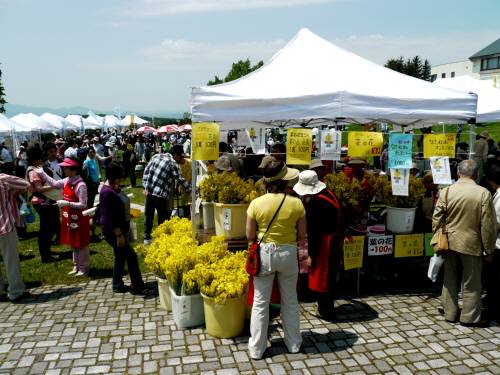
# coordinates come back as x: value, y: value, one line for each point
x: 135, y: 213
x: 224, y: 321
x: 231, y: 220
x: 164, y: 292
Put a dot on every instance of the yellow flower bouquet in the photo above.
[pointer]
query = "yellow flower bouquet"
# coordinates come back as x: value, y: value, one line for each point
x: 229, y: 188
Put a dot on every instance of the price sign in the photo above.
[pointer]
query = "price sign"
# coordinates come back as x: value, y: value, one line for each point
x: 363, y: 144
x: 409, y: 245
x: 353, y: 252
x: 400, y: 149
x: 299, y: 146
x: 205, y: 141
x: 439, y: 145
x: 380, y: 245
x: 331, y: 144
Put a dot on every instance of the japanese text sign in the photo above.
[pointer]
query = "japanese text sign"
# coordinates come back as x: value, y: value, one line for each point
x: 400, y: 150
x: 400, y: 179
x: 331, y: 144
x: 380, y: 245
x: 439, y: 145
x: 299, y: 146
x: 205, y: 141
x: 409, y: 245
x: 440, y: 167
x: 353, y: 252
x: 363, y: 144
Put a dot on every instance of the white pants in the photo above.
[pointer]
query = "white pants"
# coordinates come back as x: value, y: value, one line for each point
x: 9, y: 246
x: 280, y: 260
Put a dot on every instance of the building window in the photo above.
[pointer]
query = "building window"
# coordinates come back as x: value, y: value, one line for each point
x: 452, y: 74
x: 443, y: 75
x: 490, y: 63
x: 433, y: 77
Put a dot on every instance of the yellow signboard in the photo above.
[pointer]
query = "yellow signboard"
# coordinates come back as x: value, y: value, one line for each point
x: 132, y: 120
x: 205, y: 141
x: 439, y: 145
x: 363, y: 144
x: 353, y: 252
x: 299, y: 146
x: 409, y: 245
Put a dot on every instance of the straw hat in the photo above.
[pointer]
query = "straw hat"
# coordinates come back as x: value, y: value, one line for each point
x: 308, y: 184
x: 356, y: 160
x: 316, y: 163
x: 286, y: 174
x: 484, y: 134
x: 223, y: 163
x: 266, y: 160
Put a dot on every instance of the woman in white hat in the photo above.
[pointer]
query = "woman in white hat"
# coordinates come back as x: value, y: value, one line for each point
x: 278, y: 221
x: 324, y: 238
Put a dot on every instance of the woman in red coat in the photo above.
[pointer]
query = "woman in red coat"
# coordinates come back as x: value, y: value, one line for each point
x: 323, y: 213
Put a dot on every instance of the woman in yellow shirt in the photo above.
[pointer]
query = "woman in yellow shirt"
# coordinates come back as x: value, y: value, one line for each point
x: 278, y: 254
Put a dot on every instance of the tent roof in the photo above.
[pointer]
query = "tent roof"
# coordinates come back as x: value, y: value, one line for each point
x: 59, y: 122
x: 310, y: 78
x: 488, y: 101
x: 33, y: 122
x: 111, y: 121
x: 137, y: 120
x: 7, y: 126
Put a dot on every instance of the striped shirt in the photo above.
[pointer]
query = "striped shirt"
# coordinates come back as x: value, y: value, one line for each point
x: 9, y: 211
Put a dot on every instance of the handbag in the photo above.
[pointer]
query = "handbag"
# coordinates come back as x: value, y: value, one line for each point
x: 253, y: 258
x: 440, y: 242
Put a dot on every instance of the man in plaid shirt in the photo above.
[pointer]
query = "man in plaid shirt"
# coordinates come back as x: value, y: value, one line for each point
x: 158, y: 182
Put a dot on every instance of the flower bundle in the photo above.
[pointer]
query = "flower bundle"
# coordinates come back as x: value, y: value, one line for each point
x: 224, y: 279
x: 228, y: 188
x: 383, y: 189
x: 346, y: 191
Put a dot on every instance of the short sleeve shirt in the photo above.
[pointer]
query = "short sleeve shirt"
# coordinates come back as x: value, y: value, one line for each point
x: 284, y: 227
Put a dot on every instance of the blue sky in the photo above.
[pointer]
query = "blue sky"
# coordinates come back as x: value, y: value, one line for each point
x: 144, y: 55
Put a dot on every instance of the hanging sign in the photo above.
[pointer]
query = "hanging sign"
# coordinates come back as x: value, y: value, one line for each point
x: 331, y: 144
x: 379, y: 245
x: 439, y: 145
x: 400, y: 179
x: 132, y: 120
x: 257, y: 139
x: 363, y: 144
x: 353, y: 252
x: 440, y: 167
x: 299, y: 146
x: 205, y: 141
x: 409, y: 245
x: 400, y: 150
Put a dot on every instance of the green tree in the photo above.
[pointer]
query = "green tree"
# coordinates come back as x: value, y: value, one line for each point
x: 186, y: 118
x: 2, y: 95
x: 238, y: 70
x: 426, y: 71
x: 411, y: 66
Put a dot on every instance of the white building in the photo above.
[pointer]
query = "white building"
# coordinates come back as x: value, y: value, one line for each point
x: 484, y: 64
x: 454, y: 69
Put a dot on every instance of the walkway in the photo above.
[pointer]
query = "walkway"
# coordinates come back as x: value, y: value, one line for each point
x: 85, y: 329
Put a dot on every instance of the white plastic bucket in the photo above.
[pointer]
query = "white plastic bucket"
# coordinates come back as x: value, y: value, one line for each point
x: 164, y: 293
x: 187, y: 310
x: 208, y: 215
x: 400, y: 220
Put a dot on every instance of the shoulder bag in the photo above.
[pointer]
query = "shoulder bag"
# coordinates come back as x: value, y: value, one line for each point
x: 253, y: 258
x: 441, y: 244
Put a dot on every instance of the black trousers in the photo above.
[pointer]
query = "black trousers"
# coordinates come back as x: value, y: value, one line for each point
x: 124, y: 255
x: 92, y: 190
x: 49, y: 225
x: 132, y: 177
x: 162, y: 208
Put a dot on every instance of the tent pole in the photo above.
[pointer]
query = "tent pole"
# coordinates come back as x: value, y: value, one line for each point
x: 194, y: 218
x: 472, y: 139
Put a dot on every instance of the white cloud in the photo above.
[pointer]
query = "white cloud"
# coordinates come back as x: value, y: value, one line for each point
x: 169, y: 7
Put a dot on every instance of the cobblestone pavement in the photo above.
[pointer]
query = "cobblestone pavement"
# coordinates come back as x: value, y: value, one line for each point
x: 85, y: 329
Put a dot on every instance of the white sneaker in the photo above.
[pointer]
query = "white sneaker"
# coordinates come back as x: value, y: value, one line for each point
x: 80, y: 273
x: 73, y: 271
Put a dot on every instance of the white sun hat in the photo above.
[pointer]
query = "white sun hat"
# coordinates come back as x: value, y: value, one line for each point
x: 308, y: 184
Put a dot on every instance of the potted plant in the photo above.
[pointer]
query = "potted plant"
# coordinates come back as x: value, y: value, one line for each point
x: 208, y: 194
x: 400, y: 209
x: 223, y: 285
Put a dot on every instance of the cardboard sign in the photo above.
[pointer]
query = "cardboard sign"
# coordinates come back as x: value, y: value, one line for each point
x: 365, y: 144
x: 380, y: 245
x: 429, y: 250
x: 353, y: 252
x: 409, y: 245
x: 299, y: 146
x: 440, y: 167
x: 400, y: 150
x: 205, y: 141
x: 400, y: 179
x: 439, y: 145
x: 331, y: 144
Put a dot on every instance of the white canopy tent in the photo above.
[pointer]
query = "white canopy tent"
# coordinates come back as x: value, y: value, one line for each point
x: 310, y: 78
x: 10, y: 127
x: 76, y: 120
x: 59, y: 122
x: 488, y: 101
x: 35, y: 123
x: 137, y: 121
x: 111, y: 121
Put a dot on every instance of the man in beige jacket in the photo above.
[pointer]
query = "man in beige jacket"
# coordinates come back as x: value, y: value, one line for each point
x: 472, y: 232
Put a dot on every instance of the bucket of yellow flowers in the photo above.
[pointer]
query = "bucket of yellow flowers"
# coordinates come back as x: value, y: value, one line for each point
x: 208, y: 193
x: 223, y: 286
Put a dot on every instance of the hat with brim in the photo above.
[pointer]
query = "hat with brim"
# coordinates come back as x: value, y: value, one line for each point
x: 484, y: 134
x: 356, y: 160
x: 316, y: 163
x: 224, y: 164
x: 285, y: 174
x: 266, y: 160
x: 67, y: 162
x: 308, y: 184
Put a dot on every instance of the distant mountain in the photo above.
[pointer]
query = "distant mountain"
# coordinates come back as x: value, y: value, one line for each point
x: 15, y: 109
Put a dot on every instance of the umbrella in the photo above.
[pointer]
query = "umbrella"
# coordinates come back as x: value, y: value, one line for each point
x: 146, y: 129
x: 172, y: 128
x: 186, y: 128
